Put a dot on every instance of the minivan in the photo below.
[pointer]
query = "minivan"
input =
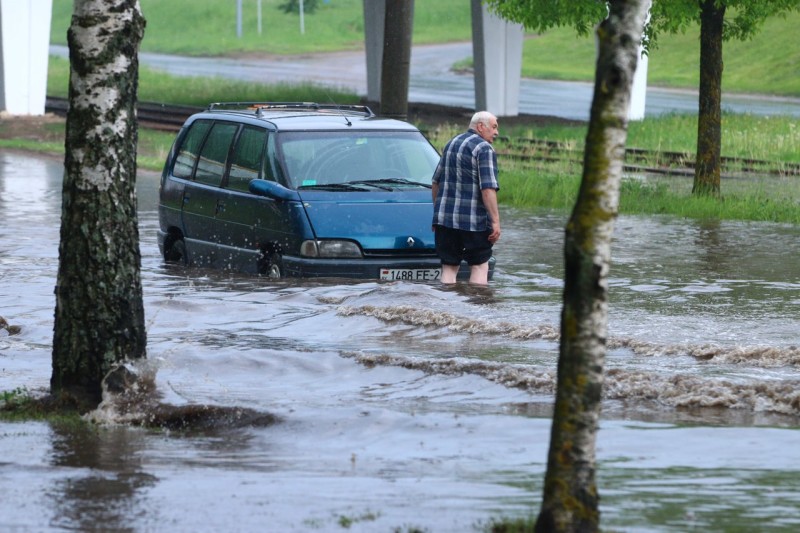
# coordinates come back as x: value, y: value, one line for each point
x: 298, y: 189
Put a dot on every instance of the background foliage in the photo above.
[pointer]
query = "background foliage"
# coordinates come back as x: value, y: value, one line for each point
x: 767, y: 64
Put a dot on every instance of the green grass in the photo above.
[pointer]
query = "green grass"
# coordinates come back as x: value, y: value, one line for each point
x: 771, y: 138
x: 156, y: 86
x: 766, y: 64
x: 208, y: 27
x: 757, y: 198
x: 21, y: 405
x: 766, y: 138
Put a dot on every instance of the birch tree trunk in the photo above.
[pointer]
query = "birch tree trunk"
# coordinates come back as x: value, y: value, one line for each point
x: 99, y: 315
x: 570, y: 500
x: 709, y: 113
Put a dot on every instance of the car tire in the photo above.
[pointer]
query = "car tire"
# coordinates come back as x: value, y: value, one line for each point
x: 271, y: 266
x: 175, y: 250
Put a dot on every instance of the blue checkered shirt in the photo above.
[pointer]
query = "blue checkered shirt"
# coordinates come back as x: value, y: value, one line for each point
x: 468, y: 165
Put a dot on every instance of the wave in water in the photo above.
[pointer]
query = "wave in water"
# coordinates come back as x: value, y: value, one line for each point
x: 753, y: 356
x: 669, y: 389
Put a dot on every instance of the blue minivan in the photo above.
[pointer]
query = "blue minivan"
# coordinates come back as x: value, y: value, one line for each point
x: 300, y: 190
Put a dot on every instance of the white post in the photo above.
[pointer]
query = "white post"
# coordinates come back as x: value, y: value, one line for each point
x: 24, y: 52
x: 639, y: 87
x: 239, y: 19
x: 302, y: 18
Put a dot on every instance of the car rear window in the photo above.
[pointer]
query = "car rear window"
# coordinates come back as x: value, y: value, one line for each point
x: 190, y: 147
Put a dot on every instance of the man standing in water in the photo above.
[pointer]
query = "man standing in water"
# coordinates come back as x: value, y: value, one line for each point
x: 466, y: 220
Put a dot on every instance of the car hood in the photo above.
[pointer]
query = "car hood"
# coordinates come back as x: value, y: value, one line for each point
x: 399, y: 220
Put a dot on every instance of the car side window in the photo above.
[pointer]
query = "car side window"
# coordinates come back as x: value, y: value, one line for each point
x: 272, y: 170
x: 187, y: 155
x: 214, y: 155
x: 246, y: 158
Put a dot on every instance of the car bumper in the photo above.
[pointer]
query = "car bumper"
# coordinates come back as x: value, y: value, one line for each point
x: 226, y: 257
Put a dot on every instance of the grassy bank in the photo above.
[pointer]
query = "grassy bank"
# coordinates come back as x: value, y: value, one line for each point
x: 209, y: 28
x: 765, y: 64
x: 765, y: 199
x: 155, y: 86
x: 773, y: 139
x: 758, y: 197
x: 555, y: 185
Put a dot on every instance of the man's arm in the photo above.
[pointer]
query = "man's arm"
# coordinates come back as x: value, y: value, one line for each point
x: 434, y: 194
x: 489, y: 197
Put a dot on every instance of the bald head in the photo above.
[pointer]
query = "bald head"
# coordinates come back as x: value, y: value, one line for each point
x: 485, y: 124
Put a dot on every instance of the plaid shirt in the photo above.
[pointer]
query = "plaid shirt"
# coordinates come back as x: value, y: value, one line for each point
x: 468, y: 164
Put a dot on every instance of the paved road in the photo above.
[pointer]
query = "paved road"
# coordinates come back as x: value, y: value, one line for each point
x: 432, y: 81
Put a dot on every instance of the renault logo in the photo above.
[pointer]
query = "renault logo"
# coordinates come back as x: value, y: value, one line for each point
x: 410, y: 242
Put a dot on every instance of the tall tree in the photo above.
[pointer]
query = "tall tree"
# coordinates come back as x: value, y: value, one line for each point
x: 396, y: 62
x: 99, y: 315
x: 709, y: 113
x: 719, y: 20
x: 570, y: 500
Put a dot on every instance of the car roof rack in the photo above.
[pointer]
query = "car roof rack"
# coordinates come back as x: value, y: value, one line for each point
x: 291, y: 106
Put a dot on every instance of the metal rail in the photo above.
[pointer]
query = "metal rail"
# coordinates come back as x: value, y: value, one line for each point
x: 534, y: 152
x: 151, y: 115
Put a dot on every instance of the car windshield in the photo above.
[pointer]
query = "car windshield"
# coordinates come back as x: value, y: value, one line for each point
x: 369, y: 160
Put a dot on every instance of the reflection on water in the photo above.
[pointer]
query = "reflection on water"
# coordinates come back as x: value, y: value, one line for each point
x: 414, y: 405
x: 109, y: 476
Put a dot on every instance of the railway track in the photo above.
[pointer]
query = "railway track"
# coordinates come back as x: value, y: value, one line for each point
x: 535, y: 153
x: 529, y: 153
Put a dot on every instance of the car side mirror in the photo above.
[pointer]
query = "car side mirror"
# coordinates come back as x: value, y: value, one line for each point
x: 273, y: 190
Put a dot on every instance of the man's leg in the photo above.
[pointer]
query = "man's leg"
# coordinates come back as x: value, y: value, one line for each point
x: 449, y: 273
x: 478, y: 274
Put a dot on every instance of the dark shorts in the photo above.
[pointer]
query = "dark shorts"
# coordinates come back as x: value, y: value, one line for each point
x: 455, y: 245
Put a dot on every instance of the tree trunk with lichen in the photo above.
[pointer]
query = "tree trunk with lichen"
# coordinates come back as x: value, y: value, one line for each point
x: 570, y: 500
x: 709, y: 115
x: 99, y: 316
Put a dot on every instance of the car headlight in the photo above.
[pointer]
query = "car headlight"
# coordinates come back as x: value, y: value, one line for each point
x: 330, y: 249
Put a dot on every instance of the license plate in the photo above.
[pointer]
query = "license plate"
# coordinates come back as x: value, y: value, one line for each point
x: 411, y: 274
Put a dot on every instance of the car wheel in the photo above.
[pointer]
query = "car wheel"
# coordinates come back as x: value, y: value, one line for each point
x: 175, y: 250
x: 271, y: 266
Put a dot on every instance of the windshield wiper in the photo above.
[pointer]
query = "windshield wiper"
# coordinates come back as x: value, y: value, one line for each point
x: 334, y: 187
x: 393, y: 181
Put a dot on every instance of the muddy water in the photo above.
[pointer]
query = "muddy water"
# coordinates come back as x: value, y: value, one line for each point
x: 407, y: 406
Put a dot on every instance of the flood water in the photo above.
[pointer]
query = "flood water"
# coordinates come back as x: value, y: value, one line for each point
x: 415, y: 407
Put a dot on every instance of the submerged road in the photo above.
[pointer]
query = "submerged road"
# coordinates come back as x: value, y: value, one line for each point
x: 433, y: 81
